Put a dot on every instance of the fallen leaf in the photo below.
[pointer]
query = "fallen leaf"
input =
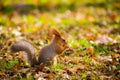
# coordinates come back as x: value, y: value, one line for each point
x: 91, y: 49
x: 115, y: 55
x: 8, y: 56
x: 2, y: 74
x: 42, y: 75
x: 72, y: 59
x: 76, y: 68
x: 20, y: 55
x: 65, y: 76
x: 104, y: 39
x: 69, y: 51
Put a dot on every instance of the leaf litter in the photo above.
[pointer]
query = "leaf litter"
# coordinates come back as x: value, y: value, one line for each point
x: 91, y: 32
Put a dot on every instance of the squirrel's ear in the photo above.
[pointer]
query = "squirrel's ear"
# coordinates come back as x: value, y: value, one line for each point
x: 56, y: 32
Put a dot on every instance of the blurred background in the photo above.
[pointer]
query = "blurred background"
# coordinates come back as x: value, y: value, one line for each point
x: 9, y: 5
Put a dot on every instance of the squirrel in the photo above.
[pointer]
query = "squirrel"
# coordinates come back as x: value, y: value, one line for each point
x: 46, y: 54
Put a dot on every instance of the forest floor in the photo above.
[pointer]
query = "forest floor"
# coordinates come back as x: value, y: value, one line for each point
x: 92, y: 31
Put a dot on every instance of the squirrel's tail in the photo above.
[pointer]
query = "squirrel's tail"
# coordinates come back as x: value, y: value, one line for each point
x: 27, y: 48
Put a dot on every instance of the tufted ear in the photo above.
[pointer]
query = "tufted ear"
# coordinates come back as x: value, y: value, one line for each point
x: 56, y: 32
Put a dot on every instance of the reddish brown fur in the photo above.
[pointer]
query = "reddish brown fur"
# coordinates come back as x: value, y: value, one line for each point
x: 56, y: 32
x: 47, y: 53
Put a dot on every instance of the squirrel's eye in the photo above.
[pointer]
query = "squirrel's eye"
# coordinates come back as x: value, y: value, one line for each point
x: 63, y: 40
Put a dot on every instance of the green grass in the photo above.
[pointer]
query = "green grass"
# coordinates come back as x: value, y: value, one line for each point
x: 73, y: 19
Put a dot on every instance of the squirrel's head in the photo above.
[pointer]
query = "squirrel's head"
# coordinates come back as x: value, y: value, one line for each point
x: 59, y: 42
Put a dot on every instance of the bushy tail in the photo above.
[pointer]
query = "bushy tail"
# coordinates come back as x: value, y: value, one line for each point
x: 27, y: 48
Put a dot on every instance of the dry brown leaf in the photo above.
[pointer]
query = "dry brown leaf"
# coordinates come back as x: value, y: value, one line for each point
x: 72, y: 59
x: 91, y: 49
x: 65, y: 76
x: 20, y: 55
x: 90, y: 18
x: 2, y: 74
x: 69, y: 51
x: 42, y: 75
x: 104, y: 39
x: 89, y: 36
x: 24, y: 70
x: 76, y: 68
x: 15, y: 69
x: 115, y: 58
x: 8, y: 56
x: 115, y: 55
x: 93, y: 57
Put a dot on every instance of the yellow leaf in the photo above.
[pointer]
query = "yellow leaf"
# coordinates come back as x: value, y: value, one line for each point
x: 8, y: 56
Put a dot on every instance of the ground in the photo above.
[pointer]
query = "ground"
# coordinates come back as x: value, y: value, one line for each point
x: 91, y: 29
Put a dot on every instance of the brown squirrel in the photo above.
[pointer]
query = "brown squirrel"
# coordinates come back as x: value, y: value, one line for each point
x: 46, y: 54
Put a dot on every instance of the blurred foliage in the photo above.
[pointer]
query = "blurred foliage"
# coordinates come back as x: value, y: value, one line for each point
x: 61, y: 5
